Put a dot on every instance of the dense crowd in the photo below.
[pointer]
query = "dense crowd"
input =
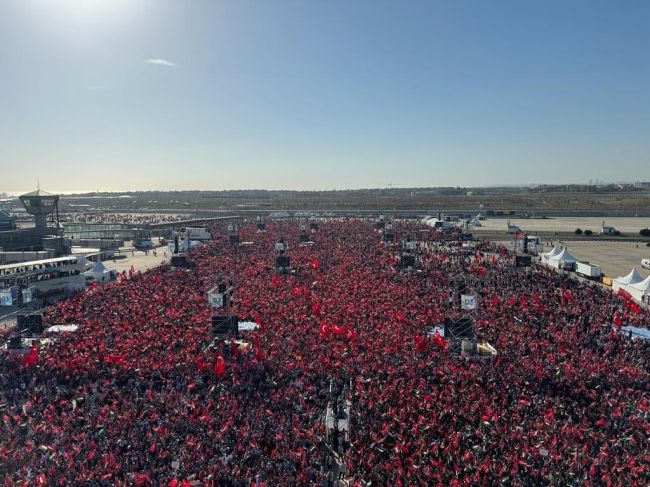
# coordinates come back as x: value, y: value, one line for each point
x: 140, y: 395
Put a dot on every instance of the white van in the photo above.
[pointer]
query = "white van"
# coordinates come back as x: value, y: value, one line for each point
x: 645, y: 263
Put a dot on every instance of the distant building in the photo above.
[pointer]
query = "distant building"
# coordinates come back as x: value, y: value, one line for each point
x: 642, y: 185
x: 607, y: 230
x: 7, y: 221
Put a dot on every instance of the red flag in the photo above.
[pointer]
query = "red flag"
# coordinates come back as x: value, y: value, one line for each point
x: 324, y: 329
x: 567, y: 296
x: 441, y: 342
x: 115, y: 359
x: 220, y: 367
x: 401, y: 318
x: 633, y: 307
x: 276, y: 281
x: 617, y: 320
x: 296, y: 292
x: 141, y: 480
x: 315, y: 264
x: 315, y: 307
x: 420, y: 343
x: 496, y: 301
x: 624, y: 294
x: 339, y: 330
x: 31, y: 358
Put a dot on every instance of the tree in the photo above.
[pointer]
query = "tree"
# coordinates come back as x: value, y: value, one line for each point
x: 645, y: 232
x: 578, y: 231
x: 588, y: 232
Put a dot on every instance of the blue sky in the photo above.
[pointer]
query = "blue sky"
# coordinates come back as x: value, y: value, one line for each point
x: 159, y: 94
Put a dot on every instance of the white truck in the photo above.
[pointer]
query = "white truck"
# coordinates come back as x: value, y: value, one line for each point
x: 587, y: 269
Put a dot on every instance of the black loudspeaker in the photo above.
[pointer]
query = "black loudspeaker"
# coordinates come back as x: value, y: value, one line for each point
x: 313, y: 226
x: 33, y: 322
x: 233, y: 239
x: 15, y: 342
x: 407, y: 261
x: 282, y: 262
x: 304, y: 238
x: 523, y: 261
x: 389, y: 237
x: 379, y: 225
x: 225, y: 326
x: 459, y: 328
x: 261, y: 226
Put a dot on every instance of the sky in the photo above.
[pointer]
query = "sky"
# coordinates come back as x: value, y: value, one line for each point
x: 212, y: 94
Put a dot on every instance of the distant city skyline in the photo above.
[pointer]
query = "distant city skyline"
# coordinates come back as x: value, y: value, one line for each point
x: 128, y: 95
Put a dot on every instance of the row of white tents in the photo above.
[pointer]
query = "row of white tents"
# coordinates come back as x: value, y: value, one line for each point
x: 559, y: 259
x: 633, y: 283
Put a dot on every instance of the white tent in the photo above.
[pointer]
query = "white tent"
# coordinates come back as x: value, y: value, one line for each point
x: 81, y: 259
x: 562, y: 260
x: 548, y: 255
x: 623, y: 282
x: 100, y: 273
x: 640, y: 289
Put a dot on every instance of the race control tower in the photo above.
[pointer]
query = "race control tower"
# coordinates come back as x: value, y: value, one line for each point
x: 41, y: 204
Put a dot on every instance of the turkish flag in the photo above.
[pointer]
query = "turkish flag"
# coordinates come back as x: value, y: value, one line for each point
x: 220, y: 367
x: 324, y: 329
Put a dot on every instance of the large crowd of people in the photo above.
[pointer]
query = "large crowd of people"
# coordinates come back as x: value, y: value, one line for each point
x: 142, y: 395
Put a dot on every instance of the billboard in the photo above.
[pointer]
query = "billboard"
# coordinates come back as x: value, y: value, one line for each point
x: 6, y: 299
x: 28, y: 294
x: 468, y: 301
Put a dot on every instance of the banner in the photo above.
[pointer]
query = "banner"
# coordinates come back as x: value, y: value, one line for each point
x: 28, y: 294
x: 216, y: 300
x: 468, y: 301
x: 5, y: 297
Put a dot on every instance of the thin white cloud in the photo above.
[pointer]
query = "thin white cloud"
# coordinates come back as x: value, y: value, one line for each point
x: 161, y: 62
